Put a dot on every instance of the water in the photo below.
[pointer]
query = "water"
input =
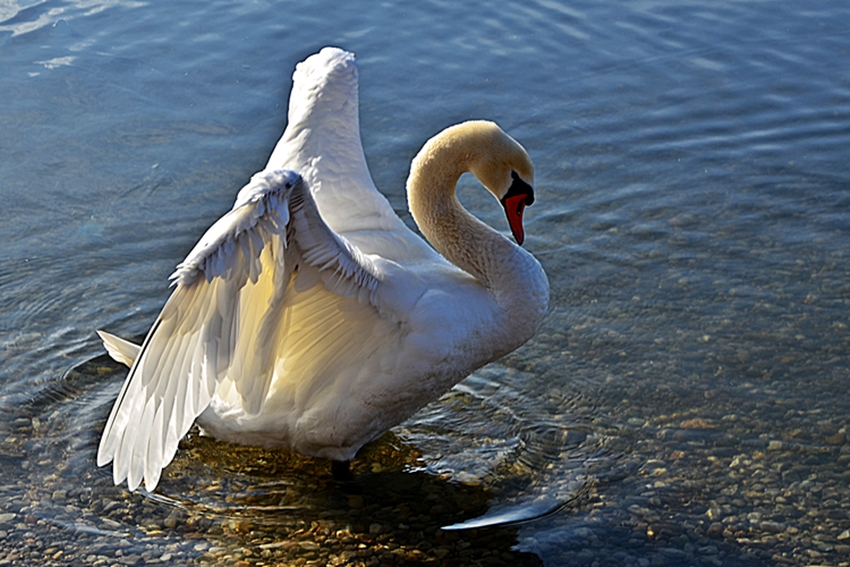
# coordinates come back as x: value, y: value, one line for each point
x: 687, y: 395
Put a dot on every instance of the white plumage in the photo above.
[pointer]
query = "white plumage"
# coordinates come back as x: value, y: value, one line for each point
x: 309, y: 316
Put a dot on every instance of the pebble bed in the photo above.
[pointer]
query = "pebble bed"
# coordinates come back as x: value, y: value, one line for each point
x: 704, y: 486
x: 224, y: 505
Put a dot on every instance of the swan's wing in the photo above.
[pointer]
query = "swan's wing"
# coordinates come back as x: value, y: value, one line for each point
x: 322, y: 143
x: 222, y: 320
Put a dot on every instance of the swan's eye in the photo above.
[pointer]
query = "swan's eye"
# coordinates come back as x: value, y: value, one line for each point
x: 520, y: 187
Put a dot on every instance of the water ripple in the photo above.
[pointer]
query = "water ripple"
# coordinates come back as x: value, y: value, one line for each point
x: 21, y: 17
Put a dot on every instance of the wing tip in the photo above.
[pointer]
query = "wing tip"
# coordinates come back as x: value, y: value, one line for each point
x: 324, y: 64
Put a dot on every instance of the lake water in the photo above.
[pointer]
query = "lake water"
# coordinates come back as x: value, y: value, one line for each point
x: 687, y: 397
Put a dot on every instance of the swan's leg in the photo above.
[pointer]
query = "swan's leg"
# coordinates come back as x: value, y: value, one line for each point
x: 341, y: 471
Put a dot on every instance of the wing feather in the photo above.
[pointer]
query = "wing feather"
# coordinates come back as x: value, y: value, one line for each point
x: 228, y: 320
x: 155, y: 448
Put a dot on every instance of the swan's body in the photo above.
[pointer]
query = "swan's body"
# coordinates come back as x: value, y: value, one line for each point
x: 310, y: 316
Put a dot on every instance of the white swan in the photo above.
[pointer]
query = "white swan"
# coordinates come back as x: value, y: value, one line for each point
x: 310, y: 316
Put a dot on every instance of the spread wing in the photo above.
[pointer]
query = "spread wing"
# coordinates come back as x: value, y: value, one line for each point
x: 224, y: 320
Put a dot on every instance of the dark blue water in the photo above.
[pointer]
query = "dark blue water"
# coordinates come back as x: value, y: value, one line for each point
x: 689, y: 388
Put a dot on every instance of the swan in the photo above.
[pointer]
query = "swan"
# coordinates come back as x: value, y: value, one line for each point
x: 310, y: 316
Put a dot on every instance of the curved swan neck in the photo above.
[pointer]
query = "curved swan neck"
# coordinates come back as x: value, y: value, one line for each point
x: 461, y: 238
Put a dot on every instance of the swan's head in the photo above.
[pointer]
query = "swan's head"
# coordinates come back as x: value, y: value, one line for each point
x: 504, y: 168
x: 483, y: 149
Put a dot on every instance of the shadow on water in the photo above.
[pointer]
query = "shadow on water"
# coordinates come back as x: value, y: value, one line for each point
x: 219, y: 503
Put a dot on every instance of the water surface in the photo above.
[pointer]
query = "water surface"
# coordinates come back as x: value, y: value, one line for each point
x: 687, y: 395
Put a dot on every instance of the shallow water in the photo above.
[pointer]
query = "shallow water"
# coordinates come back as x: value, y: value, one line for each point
x: 687, y: 395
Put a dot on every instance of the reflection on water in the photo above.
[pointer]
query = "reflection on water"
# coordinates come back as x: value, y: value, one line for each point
x: 687, y: 394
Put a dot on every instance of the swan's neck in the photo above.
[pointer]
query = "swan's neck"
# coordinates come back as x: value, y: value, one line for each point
x: 461, y: 238
x: 514, y: 277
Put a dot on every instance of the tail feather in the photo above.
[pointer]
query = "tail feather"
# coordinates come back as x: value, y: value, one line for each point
x: 119, y: 349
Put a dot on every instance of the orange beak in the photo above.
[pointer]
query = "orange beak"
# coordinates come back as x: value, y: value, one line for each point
x: 514, y: 207
x: 519, y: 195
